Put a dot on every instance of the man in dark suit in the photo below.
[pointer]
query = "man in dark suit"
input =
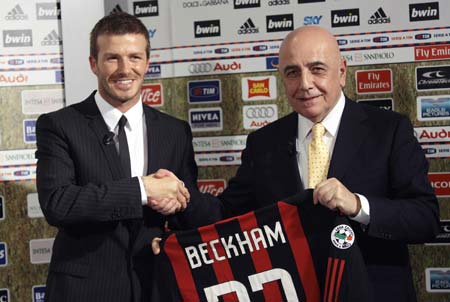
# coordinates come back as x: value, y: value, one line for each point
x: 377, y: 172
x: 94, y: 158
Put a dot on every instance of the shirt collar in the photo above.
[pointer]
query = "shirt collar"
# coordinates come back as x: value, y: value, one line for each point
x: 111, y: 115
x: 330, y: 122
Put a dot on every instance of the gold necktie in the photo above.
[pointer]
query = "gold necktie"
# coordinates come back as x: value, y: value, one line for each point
x: 318, y: 157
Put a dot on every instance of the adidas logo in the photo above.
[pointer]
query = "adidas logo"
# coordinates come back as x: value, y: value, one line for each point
x: 116, y: 9
x: 248, y: 28
x: 379, y: 17
x: 16, y: 14
x: 51, y: 39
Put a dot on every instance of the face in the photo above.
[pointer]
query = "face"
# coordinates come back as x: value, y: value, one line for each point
x: 313, y: 72
x: 120, y: 67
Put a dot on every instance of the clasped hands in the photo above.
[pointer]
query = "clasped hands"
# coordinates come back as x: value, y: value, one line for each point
x: 166, y: 194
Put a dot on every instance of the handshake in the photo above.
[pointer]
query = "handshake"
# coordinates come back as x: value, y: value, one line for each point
x: 166, y: 194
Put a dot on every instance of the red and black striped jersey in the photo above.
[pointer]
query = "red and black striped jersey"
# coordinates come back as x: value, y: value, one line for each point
x: 283, y: 252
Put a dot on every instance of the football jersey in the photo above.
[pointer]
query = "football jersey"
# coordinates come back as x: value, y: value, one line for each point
x: 289, y: 251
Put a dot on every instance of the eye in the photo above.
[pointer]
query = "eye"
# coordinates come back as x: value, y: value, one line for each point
x: 317, y: 70
x: 111, y: 58
x: 136, y: 58
x: 292, y: 73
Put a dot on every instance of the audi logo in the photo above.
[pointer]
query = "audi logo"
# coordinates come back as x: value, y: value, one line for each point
x: 200, y: 67
x: 260, y: 112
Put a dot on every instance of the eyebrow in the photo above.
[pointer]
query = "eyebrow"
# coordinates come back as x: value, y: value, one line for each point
x: 295, y: 67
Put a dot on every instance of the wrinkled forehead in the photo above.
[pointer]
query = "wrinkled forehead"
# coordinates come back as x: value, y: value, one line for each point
x: 307, y: 47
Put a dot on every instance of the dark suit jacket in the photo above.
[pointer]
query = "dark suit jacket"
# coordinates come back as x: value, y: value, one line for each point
x: 377, y: 155
x: 83, y: 193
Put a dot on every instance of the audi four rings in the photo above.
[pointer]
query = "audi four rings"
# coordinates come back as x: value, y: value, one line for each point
x: 260, y: 112
x: 200, y: 67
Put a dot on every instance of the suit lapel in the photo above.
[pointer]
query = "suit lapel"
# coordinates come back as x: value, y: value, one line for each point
x: 155, y: 140
x: 96, y: 123
x: 285, y: 160
x: 351, y: 134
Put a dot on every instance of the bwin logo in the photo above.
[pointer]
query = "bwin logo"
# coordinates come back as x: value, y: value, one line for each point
x: 345, y: 17
x: 424, y: 11
x: 17, y: 38
x: 278, y: 23
x: 210, y: 28
x: 48, y: 11
x: 246, y: 3
x: 146, y: 8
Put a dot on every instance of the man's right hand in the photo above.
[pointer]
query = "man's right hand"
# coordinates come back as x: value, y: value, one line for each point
x: 166, y: 193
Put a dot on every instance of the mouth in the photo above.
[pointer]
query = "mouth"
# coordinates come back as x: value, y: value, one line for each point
x: 123, y: 83
x: 307, y: 98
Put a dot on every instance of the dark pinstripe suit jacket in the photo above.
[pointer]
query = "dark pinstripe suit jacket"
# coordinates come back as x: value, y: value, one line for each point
x: 82, y: 193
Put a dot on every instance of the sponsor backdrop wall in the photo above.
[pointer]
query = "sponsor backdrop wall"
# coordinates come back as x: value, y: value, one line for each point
x: 214, y: 65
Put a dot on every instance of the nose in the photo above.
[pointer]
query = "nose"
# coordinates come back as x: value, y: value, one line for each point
x: 124, y: 66
x: 305, y: 81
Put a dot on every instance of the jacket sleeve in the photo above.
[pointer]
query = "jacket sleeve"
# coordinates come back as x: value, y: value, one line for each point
x: 65, y: 196
x: 203, y: 208
x: 411, y: 212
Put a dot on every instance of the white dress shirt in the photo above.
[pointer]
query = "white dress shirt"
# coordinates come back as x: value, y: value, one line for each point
x: 136, y: 132
x: 331, y: 123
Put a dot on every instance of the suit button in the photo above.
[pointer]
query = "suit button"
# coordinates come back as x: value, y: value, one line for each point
x: 116, y: 213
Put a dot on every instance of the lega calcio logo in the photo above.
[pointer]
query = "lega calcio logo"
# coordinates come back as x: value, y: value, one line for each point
x: 342, y: 236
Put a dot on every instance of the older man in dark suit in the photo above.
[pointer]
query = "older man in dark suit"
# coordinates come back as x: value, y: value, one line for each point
x: 94, y: 158
x: 361, y: 161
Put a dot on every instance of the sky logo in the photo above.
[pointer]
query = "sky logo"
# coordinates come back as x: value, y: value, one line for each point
x: 272, y: 63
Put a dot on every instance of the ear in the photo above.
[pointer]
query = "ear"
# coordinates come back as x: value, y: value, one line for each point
x: 93, y: 64
x: 342, y: 71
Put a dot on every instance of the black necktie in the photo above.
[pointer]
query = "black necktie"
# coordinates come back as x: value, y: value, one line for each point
x: 124, y: 153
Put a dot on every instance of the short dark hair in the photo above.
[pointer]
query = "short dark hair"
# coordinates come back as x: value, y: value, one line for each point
x: 118, y: 23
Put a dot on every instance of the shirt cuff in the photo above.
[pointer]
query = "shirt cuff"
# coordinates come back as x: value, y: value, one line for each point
x: 143, y: 193
x: 363, y: 216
